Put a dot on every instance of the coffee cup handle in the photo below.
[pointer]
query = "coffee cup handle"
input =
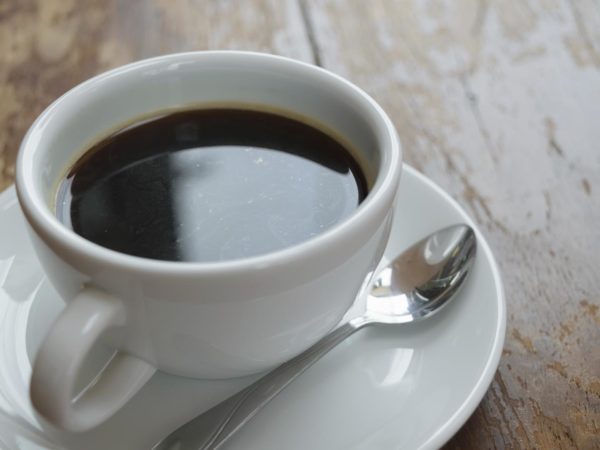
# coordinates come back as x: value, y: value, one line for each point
x: 62, y: 354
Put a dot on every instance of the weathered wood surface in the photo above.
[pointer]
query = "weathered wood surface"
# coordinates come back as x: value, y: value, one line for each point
x: 49, y: 46
x: 498, y: 101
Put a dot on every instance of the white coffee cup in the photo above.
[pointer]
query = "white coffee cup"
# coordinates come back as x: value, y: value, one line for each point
x: 202, y: 320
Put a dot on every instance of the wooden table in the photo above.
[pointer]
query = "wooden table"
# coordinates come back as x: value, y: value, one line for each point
x: 497, y: 101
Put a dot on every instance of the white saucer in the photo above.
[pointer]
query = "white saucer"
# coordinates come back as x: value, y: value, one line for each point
x: 409, y: 387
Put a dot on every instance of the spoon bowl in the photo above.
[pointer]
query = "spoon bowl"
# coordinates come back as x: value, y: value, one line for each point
x: 423, y: 279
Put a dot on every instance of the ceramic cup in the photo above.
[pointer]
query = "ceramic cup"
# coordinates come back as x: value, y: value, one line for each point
x: 202, y: 320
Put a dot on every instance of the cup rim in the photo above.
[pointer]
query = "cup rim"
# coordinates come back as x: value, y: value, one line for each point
x: 52, y: 231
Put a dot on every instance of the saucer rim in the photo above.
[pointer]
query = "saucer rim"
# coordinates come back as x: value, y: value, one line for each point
x: 455, y: 422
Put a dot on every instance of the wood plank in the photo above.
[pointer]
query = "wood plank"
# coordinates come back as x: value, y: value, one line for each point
x: 49, y: 46
x: 499, y: 102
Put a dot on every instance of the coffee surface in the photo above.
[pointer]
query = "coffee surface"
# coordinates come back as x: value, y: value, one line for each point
x: 210, y: 185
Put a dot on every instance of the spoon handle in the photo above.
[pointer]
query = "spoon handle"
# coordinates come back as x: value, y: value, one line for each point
x: 211, y: 429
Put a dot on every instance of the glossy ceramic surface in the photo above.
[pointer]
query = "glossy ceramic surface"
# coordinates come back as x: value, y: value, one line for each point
x: 408, y: 388
x: 227, y: 318
x: 217, y: 319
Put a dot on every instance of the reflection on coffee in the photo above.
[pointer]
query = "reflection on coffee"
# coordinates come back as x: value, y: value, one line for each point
x: 210, y: 185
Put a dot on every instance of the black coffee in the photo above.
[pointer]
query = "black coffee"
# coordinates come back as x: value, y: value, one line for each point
x: 210, y: 185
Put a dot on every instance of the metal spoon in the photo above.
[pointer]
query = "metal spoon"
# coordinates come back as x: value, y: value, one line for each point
x: 414, y: 286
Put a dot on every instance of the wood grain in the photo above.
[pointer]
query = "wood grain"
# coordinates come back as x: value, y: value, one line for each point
x: 498, y: 101
x: 49, y: 46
